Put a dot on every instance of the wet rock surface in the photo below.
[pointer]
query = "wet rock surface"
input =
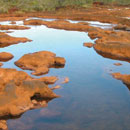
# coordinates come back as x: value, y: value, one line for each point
x: 40, y: 62
x: 6, y: 40
x: 5, y: 56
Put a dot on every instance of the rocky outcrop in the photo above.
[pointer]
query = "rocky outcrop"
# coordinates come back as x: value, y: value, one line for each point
x: 19, y: 92
x: 114, y: 45
x: 5, y: 56
x: 6, y: 40
x: 17, y: 99
x: 14, y: 27
x: 88, y: 44
x: 124, y: 77
x: 40, y: 62
x: 8, y: 75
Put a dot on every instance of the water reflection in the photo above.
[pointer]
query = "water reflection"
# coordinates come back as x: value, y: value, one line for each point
x: 95, y: 101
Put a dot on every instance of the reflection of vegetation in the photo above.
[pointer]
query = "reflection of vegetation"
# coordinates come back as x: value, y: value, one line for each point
x: 42, y: 5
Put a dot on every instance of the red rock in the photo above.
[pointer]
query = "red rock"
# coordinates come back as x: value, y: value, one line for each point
x: 89, y: 45
x: 5, y: 56
x: 6, y: 40
x: 14, y: 27
x: 40, y: 62
x: 1, y: 64
x: 49, y: 80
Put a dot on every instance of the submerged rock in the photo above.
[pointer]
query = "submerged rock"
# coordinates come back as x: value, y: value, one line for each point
x: 40, y: 62
x: 117, y: 64
x: 5, y: 56
x: 56, y: 87
x: 66, y: 80
x: 87, y: 44
x: 6, y: 40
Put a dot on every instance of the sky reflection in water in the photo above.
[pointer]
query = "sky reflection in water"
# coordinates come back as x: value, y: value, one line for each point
x: 92, y: 100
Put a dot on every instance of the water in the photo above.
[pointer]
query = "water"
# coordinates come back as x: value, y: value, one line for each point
x: 92, y: 100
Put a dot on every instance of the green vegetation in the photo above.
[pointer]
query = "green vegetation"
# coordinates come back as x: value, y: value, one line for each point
x: 50, y: 5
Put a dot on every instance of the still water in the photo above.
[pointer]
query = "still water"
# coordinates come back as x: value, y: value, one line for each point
x: 92, y: 100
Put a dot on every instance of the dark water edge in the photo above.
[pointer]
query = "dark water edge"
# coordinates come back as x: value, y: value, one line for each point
x: 92, y: 100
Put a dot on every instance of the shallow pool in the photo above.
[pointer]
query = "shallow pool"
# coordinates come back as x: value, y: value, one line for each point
x: 92, y: 100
